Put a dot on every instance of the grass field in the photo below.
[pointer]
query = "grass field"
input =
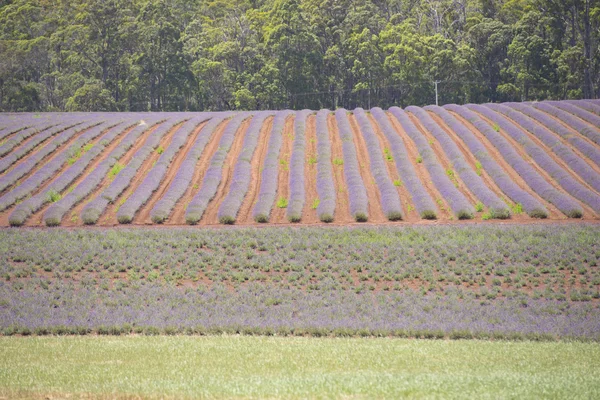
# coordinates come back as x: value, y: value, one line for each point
x: 261, y: 367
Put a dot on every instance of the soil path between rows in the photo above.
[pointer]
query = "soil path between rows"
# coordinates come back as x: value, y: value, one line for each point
x: 278, y: 215
x: 342, y: 207
x: 405, y: 197
x: 309, y: 214
x: 143, y: 215
x: 554, y: 213
x: 444, y: 211
x: 588, y: 212
x: 256, y: 165
x: 210, y: 215
x: 177, y: 216
x: 110, y: 215
x: 376, y: 213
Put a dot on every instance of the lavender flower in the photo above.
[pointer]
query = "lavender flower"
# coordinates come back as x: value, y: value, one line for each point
x: 459, y: 204
x: 325, y: 184
x: 576, y: 109
x: 586, y: 130
x: 297, y: 192
x: 359, y: 203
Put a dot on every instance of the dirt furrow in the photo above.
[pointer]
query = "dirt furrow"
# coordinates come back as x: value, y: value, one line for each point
x: 554, y: 213
x: 405, y: 197
x: 143, y: 215
x: 110, y: 214
x: 278, y: 215
x: 445, y: 213
x: 177, y: 217
x: 210, y: 216
x: 342, y: 206
x: 258, y: 160
x: 573, y: 131
x: 309, y: 212
x: 587, y: 211
x: 375, y: 210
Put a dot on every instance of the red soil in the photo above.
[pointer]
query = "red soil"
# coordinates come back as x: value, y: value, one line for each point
x: 278, y: 215
x: 342, y: 206
x: 309, y: 214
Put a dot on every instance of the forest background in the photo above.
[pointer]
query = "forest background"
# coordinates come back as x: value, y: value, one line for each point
x: 197, y: 55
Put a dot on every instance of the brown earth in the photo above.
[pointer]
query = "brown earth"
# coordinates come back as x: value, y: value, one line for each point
x: 309, y: 214
x: 405, y: 197
x: 258, y: 160
x: 110, y: 214
x: 178, y: 215
x: 27, y: 140
x: 278, y: 215
x: 210, y: 214
x: 444, y: 211
x: 588, y: 212
x: 143, y: 215
x: 553, y: 212
x: 375, y: 210
x: 342, y: 206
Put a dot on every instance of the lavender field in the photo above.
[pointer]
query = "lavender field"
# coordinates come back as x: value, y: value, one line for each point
x: 509, y: 281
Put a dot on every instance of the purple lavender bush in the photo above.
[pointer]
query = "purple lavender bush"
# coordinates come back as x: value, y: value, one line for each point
x: 325, y: 183
x: 556, y: 109
x: 296, y: 182
x: 575, y: 109
x: 359, y: 203
x: 421, y: 199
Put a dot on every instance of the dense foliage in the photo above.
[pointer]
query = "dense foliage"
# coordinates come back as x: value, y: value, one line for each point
x: 136, y: 55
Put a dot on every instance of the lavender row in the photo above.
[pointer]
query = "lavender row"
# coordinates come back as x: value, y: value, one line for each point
x: 46, y: 172
x: 325, y: 183
x: 575, y: 123
x: 297, y: 189
x: 33, y: 204
x: 497, y: 208
x: 93, y: 210
x: 56, y: 211
x: 542, y: 158
x: 212, y: 178
x: 242, y: 172
x: 268, y: 180
x: 359, y: 203
x: 459, y: 204
x: 574, y: 162
x: 156, y: 174
x: 531, y: 177
x: 25, y: 121
x: 586, y: 105
x: 575, y: 110
x: 162, y: 209
x: 421, y: 199
x: 68, y: 129
x: 390, y: 200
x: 588, y: 149
x: 532, y: 206
x: 20, y: 137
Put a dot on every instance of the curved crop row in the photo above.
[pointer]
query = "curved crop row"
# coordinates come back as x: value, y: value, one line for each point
x: 421, y: 199
x: 162, y: 209
x: 50, y: 168
x: 497, y: 207
x: 579, y: 143
x: 586, y: 105
x: 25, y: 121
x: 390, y: 200
x: 20, y: 137
x: 535, y: 181
x: 574, y: 162
x: 531, y: 205
x: 268, y: 181
x: 359, y: 202
x: 297, y: 189
x: 212, y: 178
x: 459, y: 204
x: 564, y: 179
x: 325, y: 183
x: 568, y: 118
x: 242, y: 172
x: 66, y: 130
x: 93, y: 210
x: 33, y: 204
x: 575, y: 110
x: 57, y: 210
x: 156, y: 174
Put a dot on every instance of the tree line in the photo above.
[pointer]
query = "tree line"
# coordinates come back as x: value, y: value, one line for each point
x: 176, y: 55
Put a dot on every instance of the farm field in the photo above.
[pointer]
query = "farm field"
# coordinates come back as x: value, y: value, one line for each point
x: 261, y: 367
x: 517, y: 161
